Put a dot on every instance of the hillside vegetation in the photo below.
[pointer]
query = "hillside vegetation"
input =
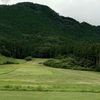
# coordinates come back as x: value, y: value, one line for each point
x: 28, y: 29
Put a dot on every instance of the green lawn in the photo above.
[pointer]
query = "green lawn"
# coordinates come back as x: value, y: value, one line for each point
x: 9, y: 95
x: 33, y: 80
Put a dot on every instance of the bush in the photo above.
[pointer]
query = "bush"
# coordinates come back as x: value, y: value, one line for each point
x: 71, y: 63
x: 29, y: 58
x: 9, y: 62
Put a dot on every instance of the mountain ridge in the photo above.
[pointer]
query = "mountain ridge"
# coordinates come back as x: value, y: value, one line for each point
x: 44, y: 16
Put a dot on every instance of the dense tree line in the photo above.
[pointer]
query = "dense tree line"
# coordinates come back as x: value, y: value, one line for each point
x: 87, y: 54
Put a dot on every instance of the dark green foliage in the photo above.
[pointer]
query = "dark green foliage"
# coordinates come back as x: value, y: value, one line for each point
x: 69, y: 63
x: 62, y: 63
x: 9, y: 62
x: 29, y: 58
x: 4, y: 51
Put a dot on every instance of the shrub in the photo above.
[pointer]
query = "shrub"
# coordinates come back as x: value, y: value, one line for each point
x: 39, y: 88
x: 9, y: 62
x: 29, y: 58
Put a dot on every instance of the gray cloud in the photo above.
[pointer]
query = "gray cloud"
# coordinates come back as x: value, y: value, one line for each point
x: 81, y: 10
x: 5, y: 1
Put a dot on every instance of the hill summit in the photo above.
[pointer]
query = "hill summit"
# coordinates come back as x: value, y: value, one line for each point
x: 24, y: 19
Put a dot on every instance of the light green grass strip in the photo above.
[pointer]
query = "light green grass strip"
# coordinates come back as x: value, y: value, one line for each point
x: 10, y: 95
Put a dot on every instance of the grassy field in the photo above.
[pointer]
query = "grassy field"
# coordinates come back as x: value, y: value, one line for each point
x: 32, y: 80
x: 16, y: 95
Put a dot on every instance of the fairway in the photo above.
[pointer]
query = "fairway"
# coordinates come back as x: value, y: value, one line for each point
x: 32, y: 80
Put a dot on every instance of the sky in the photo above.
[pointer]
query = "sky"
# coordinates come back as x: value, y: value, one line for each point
x: 81, y: 10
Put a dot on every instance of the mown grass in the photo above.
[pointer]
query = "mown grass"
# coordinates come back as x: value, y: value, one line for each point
x: 6, y: 64
x: 34, y: 76
x: 24, y: 95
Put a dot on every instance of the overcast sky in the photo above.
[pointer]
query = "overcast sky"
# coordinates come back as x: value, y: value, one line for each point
x: 81, y: 10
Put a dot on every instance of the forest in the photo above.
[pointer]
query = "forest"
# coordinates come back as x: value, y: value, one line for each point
x: 28, y: 29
